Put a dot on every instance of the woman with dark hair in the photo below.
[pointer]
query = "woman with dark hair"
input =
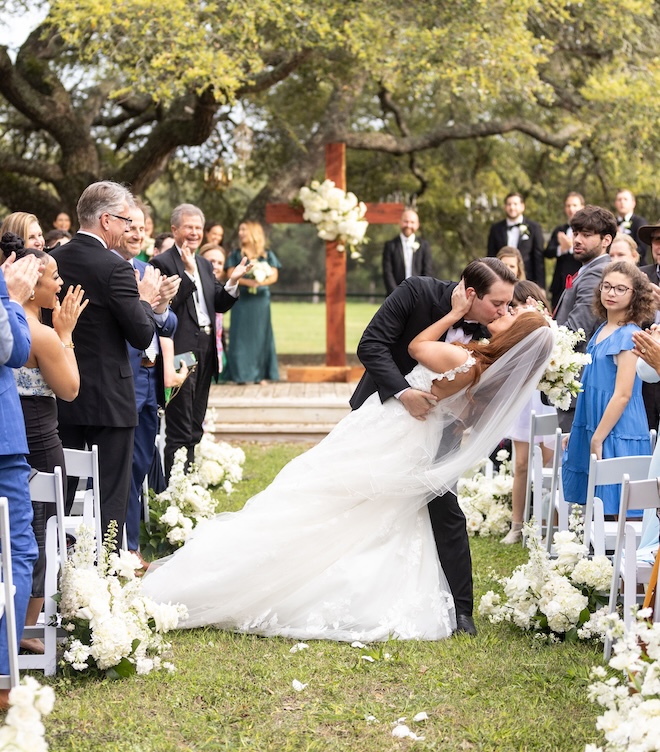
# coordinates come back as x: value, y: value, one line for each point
x: 610, y: 419
x: 340, y: 545
x: 50, y: 371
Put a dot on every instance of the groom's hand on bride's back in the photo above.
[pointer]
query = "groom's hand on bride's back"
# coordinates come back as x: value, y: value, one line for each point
x: 419, y: 404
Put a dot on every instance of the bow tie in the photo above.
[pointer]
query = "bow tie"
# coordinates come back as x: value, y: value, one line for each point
x: 510, y: 227
x: 470, y: 328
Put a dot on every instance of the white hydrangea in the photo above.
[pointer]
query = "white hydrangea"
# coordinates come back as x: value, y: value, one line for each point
x: 486, y: 502
x: 560, y: 380
x: 23, y: 730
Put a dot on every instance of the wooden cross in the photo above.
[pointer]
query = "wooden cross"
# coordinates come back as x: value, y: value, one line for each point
x: 335, y: 261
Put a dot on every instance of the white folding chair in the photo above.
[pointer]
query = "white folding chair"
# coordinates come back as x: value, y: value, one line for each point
x: 48, y: 488
x: 84, y: 464
x: 604, y: 473
x: 10, y: 680
x: 539, y: 477
x: 641, y: 494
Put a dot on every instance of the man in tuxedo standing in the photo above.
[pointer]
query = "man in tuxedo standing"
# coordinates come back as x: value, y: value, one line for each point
x: 406, y: 255
x: 383, y: 350
x: 650, y: 234
x: 119, y: 310
x: 200, y: 296
x: 147, y: 365
x: 522, y: 234
x: 628, y: 222
x: 593, y: 228
x: 560, y: 248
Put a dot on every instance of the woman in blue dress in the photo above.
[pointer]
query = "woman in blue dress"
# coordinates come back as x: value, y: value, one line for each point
x: 251, y: 356
x: 610, y: 420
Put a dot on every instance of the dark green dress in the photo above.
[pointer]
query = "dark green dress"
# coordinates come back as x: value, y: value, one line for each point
x: 251, y: 355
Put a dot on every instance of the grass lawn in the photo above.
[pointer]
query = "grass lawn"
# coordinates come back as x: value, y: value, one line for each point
x: 300, y: 327
x: 499, y: 691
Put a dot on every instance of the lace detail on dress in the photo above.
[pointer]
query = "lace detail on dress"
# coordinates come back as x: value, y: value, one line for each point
x: 422, y: 377
x: 30, y: 383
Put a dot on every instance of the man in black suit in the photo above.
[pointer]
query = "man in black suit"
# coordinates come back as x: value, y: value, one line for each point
x: 200, y: 296
x: 650, y: 234
x: 406, y: 255
x: 119, y: 309
x: 560, y: 248
x: 383, y: 350
x: 628, y: 222
x: 522, y: 234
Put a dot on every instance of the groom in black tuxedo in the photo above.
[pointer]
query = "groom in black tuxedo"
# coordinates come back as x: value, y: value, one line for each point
x: 414, y: 305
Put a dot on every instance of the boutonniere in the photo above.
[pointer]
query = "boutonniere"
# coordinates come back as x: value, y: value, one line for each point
x: 414, y: 246
x: 524, y: 232
x: 627, y: 225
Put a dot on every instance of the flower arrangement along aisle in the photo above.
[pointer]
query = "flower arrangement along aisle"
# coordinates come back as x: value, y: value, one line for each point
x: 486, y: 502
x: 174, y: 513
x: 560, y: 380
x: 23, y: 729
x: 113, y: 628
x: 337, y: 215
x: 631, y: 721
x: 552, y: 597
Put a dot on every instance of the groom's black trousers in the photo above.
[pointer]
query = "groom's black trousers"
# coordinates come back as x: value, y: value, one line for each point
x: 448, y: 523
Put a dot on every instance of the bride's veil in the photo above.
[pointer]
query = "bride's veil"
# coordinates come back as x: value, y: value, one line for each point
x: 474, y: 420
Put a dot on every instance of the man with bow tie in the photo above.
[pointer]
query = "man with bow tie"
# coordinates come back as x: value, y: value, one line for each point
x: 628, y: 222
x: 521, y: 233
x: 560, y: 248
x: 406, y: 255
x: 414, y: 305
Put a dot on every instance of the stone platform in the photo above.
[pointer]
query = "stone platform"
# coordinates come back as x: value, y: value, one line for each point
x: 277, y: 411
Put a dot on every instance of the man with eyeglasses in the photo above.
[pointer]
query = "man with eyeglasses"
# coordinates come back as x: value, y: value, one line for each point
x: 593, y: 230
x: 650, y: 234
x: 120, y: 309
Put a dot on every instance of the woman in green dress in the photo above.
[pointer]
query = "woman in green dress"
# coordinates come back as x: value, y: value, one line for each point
x: 251, y: 356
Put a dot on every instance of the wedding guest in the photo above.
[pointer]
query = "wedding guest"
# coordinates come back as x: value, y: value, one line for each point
x: 627, y: 221
x: 406, y: 255
x: 512, y: 258
x: 610, y: 419
x: 650, y: 234
x: 521, y: 233
x: 214, y: 232
x: 148, y: 241
x: 62, y: 222
x: 216, y: 255
x: 251, y: 355
x: 27, y: 227
x: 17, y: 280
x: 560, y: 248
x: 56, y: 238
x: 624, y: 248
x: 50, y: 371
x: 163, y: 242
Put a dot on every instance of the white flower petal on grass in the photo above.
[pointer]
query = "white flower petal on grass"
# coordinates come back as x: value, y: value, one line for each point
x: 298, y: 685
x: 298, y: 647
x: 423, y: 716
x: 401, y: 731
x: 371, y: 719
x: 367, y: 658
x: 358, y: 644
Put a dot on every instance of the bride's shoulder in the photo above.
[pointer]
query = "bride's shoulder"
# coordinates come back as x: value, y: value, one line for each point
x: 445, y: 357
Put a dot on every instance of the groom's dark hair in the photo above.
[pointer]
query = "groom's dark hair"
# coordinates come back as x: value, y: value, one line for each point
x: 481, y: 273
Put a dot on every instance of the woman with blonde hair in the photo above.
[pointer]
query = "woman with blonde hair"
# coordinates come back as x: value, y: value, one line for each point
x: 251, y: 354
x: 27, y: 227
x: 512, y: 258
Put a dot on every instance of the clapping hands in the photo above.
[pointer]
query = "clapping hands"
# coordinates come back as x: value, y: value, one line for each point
x: 67, y: 313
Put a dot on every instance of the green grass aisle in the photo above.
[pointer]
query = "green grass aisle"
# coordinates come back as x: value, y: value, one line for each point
x: 500, y: 691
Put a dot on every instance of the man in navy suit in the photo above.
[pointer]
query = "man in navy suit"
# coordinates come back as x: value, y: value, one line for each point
x: 521, y: 233
x: 14, y: 470
x: 147, y: 365
x: 119, y: 310
x: 199, y: 298
x: 628, y: 222
x: 406, y: 255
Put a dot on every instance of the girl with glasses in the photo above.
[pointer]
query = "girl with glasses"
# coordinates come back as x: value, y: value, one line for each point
x: 610, y: 419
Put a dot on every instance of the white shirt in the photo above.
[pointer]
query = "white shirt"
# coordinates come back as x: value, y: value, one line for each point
x: 407, y: 245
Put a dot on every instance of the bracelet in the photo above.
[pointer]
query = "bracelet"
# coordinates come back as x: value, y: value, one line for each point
x: 68, y: 344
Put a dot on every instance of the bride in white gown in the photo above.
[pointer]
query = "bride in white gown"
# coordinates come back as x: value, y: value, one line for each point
x: 340, y: 545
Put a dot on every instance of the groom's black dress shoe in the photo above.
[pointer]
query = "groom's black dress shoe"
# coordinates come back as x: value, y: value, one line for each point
x: 465, y: 625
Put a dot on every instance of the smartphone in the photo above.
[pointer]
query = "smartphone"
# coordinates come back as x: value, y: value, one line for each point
x: 187, y: 357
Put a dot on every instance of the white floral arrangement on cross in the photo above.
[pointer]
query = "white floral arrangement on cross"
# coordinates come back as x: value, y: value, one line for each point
x: 113, y: 628
x: 23, y: 729
x: 486, y: 502
x: 630, y: 691
x: 553, y: 597
x: 338, y: 215
x: 560, y: 381
x: 187, y: 500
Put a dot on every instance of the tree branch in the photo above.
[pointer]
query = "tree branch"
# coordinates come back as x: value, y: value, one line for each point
x: 31, y: 167
x: 277, y: 73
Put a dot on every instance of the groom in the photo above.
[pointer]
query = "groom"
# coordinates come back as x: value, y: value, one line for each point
x: 415, y: 304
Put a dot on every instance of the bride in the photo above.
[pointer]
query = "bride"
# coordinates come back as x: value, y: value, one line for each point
x: 340, y: 545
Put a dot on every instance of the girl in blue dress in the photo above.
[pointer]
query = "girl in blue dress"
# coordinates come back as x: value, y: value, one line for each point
x: 610, y: 419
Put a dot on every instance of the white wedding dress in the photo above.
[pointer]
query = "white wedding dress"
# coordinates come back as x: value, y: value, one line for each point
x: 340, y: 545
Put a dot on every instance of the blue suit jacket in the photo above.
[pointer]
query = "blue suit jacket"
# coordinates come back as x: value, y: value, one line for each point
x: 135, y: 355
x: 12, y: 425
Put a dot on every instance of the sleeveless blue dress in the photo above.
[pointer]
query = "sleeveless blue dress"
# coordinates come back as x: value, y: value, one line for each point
x: 630, y: 435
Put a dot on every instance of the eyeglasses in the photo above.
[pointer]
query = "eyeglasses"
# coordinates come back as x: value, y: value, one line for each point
x: 616, y: 289
x: 128, y: 220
